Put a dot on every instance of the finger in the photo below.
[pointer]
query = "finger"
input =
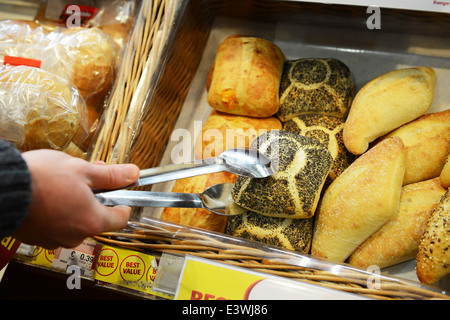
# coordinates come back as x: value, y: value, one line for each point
x: 111, y: 219
x: 112, y: 176
x: 117, y: 218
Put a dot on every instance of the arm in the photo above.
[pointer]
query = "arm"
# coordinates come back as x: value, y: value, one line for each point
x: 15, y: 189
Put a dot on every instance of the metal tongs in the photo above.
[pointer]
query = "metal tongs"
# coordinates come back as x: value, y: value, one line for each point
x: 217, y: 198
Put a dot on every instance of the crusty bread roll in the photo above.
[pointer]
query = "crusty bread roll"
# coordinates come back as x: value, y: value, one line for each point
x: 294, y: 190
x: 363, y: 198
x: 386, y: 103
x: 39, y: 109
x: 223, y: 131
x: 245, y: 77
x: 433, y: 259
x: 398, y: 239
x: 291, y: 234
x: 318, y: 86
x: 199, y: 218
x: 327, y: 130
x: 445, y: 173
x: 427, y: 143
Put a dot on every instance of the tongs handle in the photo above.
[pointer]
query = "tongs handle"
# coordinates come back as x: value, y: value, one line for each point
x: 173, y: 172
x: 178, y: 171
x: 150, y: 199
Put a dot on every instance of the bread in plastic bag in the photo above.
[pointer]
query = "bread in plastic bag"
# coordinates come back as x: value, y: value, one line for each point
x: 84, y: 56
x: 39, y: 109
x: 116, y: 18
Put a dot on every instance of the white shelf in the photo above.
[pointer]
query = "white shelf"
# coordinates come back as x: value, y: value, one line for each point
x: 420, y: 5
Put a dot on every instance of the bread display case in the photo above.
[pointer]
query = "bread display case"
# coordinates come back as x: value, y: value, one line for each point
x: 159, y: 105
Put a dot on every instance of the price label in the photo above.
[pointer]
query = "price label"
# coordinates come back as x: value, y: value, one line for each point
x: 40, y: 256
x: 82, y: 256
x: 202, y: 279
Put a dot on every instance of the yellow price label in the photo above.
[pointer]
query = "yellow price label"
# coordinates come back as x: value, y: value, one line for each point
x: 41, y: 257
x: 202, y: 279
x: 205, y: 280
x: 127, y: 268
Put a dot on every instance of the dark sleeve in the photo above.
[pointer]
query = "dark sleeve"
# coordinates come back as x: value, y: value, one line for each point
x: 15, y: 189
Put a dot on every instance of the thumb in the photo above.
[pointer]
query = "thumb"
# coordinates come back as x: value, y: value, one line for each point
x: 111, y: 176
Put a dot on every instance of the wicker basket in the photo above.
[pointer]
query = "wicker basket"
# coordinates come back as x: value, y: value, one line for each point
x: 149, y: 91
x: 164, y: 52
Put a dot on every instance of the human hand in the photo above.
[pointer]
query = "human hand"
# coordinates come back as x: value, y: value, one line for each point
x: 64, y: 210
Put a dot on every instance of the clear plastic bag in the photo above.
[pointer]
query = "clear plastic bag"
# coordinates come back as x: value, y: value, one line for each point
x: 84, y: 56
x: 39, y: 109
x: 115, y: 17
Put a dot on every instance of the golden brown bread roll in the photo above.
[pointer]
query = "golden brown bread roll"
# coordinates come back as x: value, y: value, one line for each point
x: 327, y: 130
x: 39, y: 109
x: 398, y: 239
x: 245, y: 77
x: 363, y: 198
x: 294, y: 190
x: 291, y: 234
x: 386, y: 103
x: 427, y: 143
x: 199, y: 218
x: 433, y: 259
x: 223, y: 131
x: 317, y: 86
x: 445, y: 173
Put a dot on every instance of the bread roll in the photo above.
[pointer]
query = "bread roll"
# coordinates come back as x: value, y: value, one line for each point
x: 92, y: 121
x: 398, y: 240
x: 294, y: 190
x: 318, y: 86
x: 199, y: 218
x: 245, y: 77
x: 386, y: 103
x: 223, y: 131
x: 39, y: 109
x: 427, y: 143
x: 93, y: 61
x: 363, y: 198
x: 291, y: 234
x: 433, y: 259
x: 445, y: 173
x: 327, y: 130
